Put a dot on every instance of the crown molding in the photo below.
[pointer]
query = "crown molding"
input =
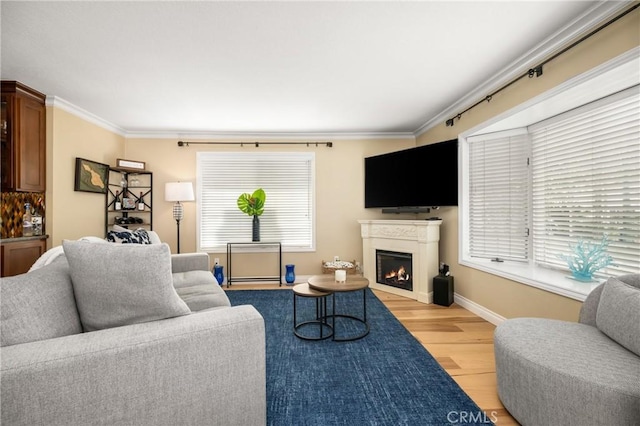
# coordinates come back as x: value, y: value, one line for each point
x: 579, y: 26
x: 57, y: 102
x: 267, y: 136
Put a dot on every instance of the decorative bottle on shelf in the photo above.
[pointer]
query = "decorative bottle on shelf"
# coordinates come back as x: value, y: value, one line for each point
x: 141, y: 202
x: 27, y: 224
x: 36, y: 223
x: 117, y: 204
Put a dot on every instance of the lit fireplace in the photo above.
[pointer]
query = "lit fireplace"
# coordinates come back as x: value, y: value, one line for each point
x: 394, y: 269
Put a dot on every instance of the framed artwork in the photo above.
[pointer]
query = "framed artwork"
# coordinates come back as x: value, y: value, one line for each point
x: 91, y: 176
x: 130, y: 164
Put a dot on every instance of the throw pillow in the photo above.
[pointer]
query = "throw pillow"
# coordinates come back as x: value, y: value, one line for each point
x: 139, y: 236
x: 38, y: 305
x: 153, y: 235
x: 121, y: 284
x: 618, y: 314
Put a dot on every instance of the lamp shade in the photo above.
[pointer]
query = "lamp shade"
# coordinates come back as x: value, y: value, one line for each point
x: 178, y: 191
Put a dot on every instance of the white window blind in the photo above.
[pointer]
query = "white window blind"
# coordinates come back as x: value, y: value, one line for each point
x: 586, y: 181
x: 498, y: 197
x: 288, y: 180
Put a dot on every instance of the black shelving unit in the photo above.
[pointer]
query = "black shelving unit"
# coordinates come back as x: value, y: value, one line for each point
x: 136, y: 187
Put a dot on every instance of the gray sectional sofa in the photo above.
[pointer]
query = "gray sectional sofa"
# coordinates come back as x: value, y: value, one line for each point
x: 172, y: 355
x: 554, y: 372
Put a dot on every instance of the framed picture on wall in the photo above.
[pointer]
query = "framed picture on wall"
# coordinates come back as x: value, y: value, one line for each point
x: 91, y: 176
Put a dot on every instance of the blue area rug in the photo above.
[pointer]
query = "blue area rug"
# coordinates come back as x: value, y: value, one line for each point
x: 385, y: 378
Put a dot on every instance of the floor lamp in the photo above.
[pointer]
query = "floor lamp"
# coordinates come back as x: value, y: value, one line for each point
x: 177, y: 192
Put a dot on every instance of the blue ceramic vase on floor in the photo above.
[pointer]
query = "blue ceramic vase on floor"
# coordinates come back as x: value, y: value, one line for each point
x: 218, y: 273
x: 290, y: 274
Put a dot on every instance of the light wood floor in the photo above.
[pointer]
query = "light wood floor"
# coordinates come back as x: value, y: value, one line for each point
x: 459, y: 340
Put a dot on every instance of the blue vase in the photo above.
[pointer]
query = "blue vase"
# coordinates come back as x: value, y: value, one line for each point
x: 290, y: 274
x: 218, y: 274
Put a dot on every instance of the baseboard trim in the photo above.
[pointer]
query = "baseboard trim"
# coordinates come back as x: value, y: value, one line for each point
x: 479, y: 310
x: 462, y: 301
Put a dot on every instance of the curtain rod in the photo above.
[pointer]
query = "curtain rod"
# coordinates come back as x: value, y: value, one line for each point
x: 537, y: 71
x: 256, y: 144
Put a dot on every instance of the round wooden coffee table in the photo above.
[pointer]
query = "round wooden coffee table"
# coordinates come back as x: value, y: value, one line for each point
x: 327, y: 283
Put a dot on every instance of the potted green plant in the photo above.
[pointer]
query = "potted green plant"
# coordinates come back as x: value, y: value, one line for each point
x: 253, y: 205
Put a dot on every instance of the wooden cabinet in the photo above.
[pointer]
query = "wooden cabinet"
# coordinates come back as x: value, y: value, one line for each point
x: 129, y: 199
x: 19, y: 255
x: 23, y: 132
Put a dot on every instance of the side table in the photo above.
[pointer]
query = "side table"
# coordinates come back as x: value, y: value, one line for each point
x: 303, y: 290
x: 231, y: 278
x: 328, y: 284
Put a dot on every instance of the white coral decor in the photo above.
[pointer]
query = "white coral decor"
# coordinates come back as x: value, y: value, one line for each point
x: 340, y: 264
x: 587, y: 258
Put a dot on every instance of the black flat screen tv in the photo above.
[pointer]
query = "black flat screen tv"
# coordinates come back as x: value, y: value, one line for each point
x: 425, y: 176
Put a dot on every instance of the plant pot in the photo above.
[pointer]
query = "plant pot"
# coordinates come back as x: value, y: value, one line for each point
x: 255, y: 236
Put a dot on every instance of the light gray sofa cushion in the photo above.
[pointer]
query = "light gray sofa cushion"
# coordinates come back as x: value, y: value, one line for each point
x: 121, y: 284
x: 199, y: 290
x: 191, y: 278
x: 201, y: 369
x: 205, y: 296
x: 618, y: 314
x: 38, y: 305
x: 589, y: 308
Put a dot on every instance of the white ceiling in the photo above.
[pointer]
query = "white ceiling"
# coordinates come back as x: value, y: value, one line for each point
x: 267, y: 67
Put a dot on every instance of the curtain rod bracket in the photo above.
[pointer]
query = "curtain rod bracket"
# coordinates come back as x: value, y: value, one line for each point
x: 537, y: 71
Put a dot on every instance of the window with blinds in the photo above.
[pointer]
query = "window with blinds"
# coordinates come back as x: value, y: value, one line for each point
x: 499, y: 196
x: 288, y: 180
x: 534, y: 193
x: 586, y: 181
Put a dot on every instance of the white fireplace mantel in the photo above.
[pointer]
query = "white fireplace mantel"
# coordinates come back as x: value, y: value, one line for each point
x: 418, y: 237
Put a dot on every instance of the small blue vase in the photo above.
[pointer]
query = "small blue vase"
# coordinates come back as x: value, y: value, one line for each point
x: 290, y: 274
x: 218, y: 274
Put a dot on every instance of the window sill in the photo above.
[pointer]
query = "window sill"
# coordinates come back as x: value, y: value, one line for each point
x: 557, y: 282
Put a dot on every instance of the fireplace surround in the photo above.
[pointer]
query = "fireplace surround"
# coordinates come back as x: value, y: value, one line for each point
x: 416, y: 240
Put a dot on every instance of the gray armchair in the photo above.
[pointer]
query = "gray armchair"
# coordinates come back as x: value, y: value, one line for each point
x: 565, y: 373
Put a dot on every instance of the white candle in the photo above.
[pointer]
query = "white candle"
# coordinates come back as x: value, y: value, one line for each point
x: 341, y: 275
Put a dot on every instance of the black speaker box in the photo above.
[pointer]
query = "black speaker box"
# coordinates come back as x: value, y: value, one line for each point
x: 443, y: 290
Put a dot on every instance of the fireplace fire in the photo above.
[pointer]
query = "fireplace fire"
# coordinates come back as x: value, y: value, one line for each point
x: 394, y: 269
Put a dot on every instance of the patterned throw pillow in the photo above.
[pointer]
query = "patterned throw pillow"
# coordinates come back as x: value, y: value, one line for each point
x: 139, y: 236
